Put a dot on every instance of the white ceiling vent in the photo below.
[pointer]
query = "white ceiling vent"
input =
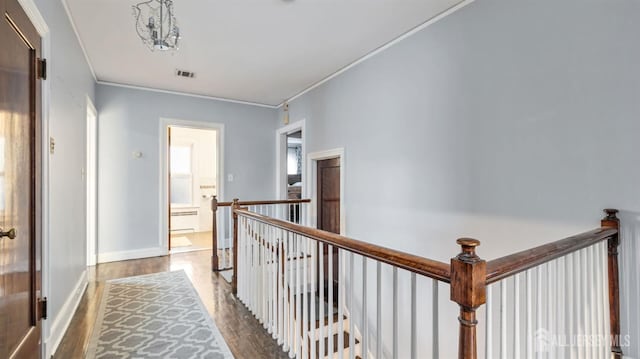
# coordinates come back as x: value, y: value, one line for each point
x: 183, y: 73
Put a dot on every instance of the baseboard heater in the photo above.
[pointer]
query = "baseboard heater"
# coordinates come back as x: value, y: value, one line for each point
x: 177, y: 214
x: 184, y: 221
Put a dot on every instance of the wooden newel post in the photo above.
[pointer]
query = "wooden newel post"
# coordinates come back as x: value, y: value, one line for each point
x: 234, y: 279
x: 468, y: 289
x: 215, y: 261
x: 612, y: 221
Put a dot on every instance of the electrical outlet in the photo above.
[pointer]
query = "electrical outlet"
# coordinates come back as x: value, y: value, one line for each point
x: 230, y: 177
x: 52, y: 145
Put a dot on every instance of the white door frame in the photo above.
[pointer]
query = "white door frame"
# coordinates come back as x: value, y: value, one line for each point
x: 164, y: 168
x: 281, y: 157
x: 312, y: 170
x: 91, y: 177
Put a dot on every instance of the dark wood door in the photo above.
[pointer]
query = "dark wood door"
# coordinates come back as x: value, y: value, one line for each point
x: 328, y: 194
x: 20, y: 242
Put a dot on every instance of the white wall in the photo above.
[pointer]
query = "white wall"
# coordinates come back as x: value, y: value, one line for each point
x: 203, y: 146
x: 71, y: 82
x: 129, y: 189
x: 511, y: 121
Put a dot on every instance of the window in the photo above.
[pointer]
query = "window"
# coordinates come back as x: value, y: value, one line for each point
x: 181, y: 176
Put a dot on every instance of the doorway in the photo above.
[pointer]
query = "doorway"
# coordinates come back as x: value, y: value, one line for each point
x: 193, y: 182
x: 328, y: 215
x: 326, y: 182
x: 20, y: 185
x: 290, y: 174
x: 92, y: 182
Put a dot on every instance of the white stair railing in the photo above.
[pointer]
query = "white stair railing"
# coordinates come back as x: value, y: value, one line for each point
x: 285, y: 278
x: 322, y: 295
x: 222, y: 257
x: 559, y: 309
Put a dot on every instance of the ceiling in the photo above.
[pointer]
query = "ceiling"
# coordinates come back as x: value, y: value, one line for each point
x: 261, y: 51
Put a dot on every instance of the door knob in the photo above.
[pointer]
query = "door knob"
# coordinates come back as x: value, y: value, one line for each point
x: 10, y: 233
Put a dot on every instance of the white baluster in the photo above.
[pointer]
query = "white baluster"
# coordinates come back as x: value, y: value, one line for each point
x: 572, y: 308
x: 291, y: 295
x: 539, y: 309
x: 550, y: 293
x: 593, y: 308
x: 280, y: 288
x: 305, y: 298
x: 529, y: 320
x: 297, y: 297
x: 312, y: 296
x: 560, y: 300
x: 378, y: 310
x: 274, y: 282
x: 341, y: 300
x: 503, y: 319
x: 435, y: 345
x: 320, y: 286
x: 229, y: 240
x: 285, y: 291
x: 395, y: 313
x: 489, y: 325
x: 331, y: 300
x: 352, y: 291
x: 414, y: 315
x: 597, y: 261
x: 605, y: 295
x: 516, y: 316
x: 365, y: 322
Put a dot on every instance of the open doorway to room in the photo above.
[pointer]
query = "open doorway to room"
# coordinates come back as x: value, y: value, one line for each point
x: 290, y: 145
x: 192, y: 183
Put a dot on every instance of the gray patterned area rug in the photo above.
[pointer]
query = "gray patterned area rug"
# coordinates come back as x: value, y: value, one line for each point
x: 155, y: 316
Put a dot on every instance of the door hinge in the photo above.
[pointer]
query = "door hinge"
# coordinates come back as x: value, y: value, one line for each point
x: 42, y: 69
x: 43, y: 307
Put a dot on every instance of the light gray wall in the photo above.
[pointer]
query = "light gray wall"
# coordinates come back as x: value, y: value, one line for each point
x: 129, y: 189
x: 71, y: 82
x: 512, y: 121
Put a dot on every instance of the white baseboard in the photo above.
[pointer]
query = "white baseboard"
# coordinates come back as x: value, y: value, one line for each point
x: 133, y: 254
x: 62, y: 320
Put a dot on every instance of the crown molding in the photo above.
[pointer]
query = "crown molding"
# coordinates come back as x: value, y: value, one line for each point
x: 380, y: 49
x: 222, y: 99
x: 75, y: 31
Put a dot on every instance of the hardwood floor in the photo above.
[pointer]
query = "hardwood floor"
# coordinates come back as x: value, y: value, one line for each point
x: 244, y: 335
x: 199, y: 241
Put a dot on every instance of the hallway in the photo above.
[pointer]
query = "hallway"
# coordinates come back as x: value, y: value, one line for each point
x: 244, y: 335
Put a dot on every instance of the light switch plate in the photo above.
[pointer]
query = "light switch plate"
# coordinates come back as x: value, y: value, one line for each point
x: 230, y: 177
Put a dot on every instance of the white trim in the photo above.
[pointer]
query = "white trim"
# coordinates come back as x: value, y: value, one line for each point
x: 62, y: 320
x: 75, y: 31
x: 163, y: 156
x: 378, y: 50
x: 34, y: 16
x: 281, y: 156
x: 170, y: 92
x: 312, y: 159
x: 132, y: 254
x: 91, y: 175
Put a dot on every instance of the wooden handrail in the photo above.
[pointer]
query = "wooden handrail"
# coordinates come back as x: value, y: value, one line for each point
x: 416, y: 264
x: 467, y: 273
x: 507, y: 266
x: 267, y: 202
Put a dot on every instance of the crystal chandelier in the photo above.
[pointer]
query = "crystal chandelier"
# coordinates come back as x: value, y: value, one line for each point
x: 156, y: 24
